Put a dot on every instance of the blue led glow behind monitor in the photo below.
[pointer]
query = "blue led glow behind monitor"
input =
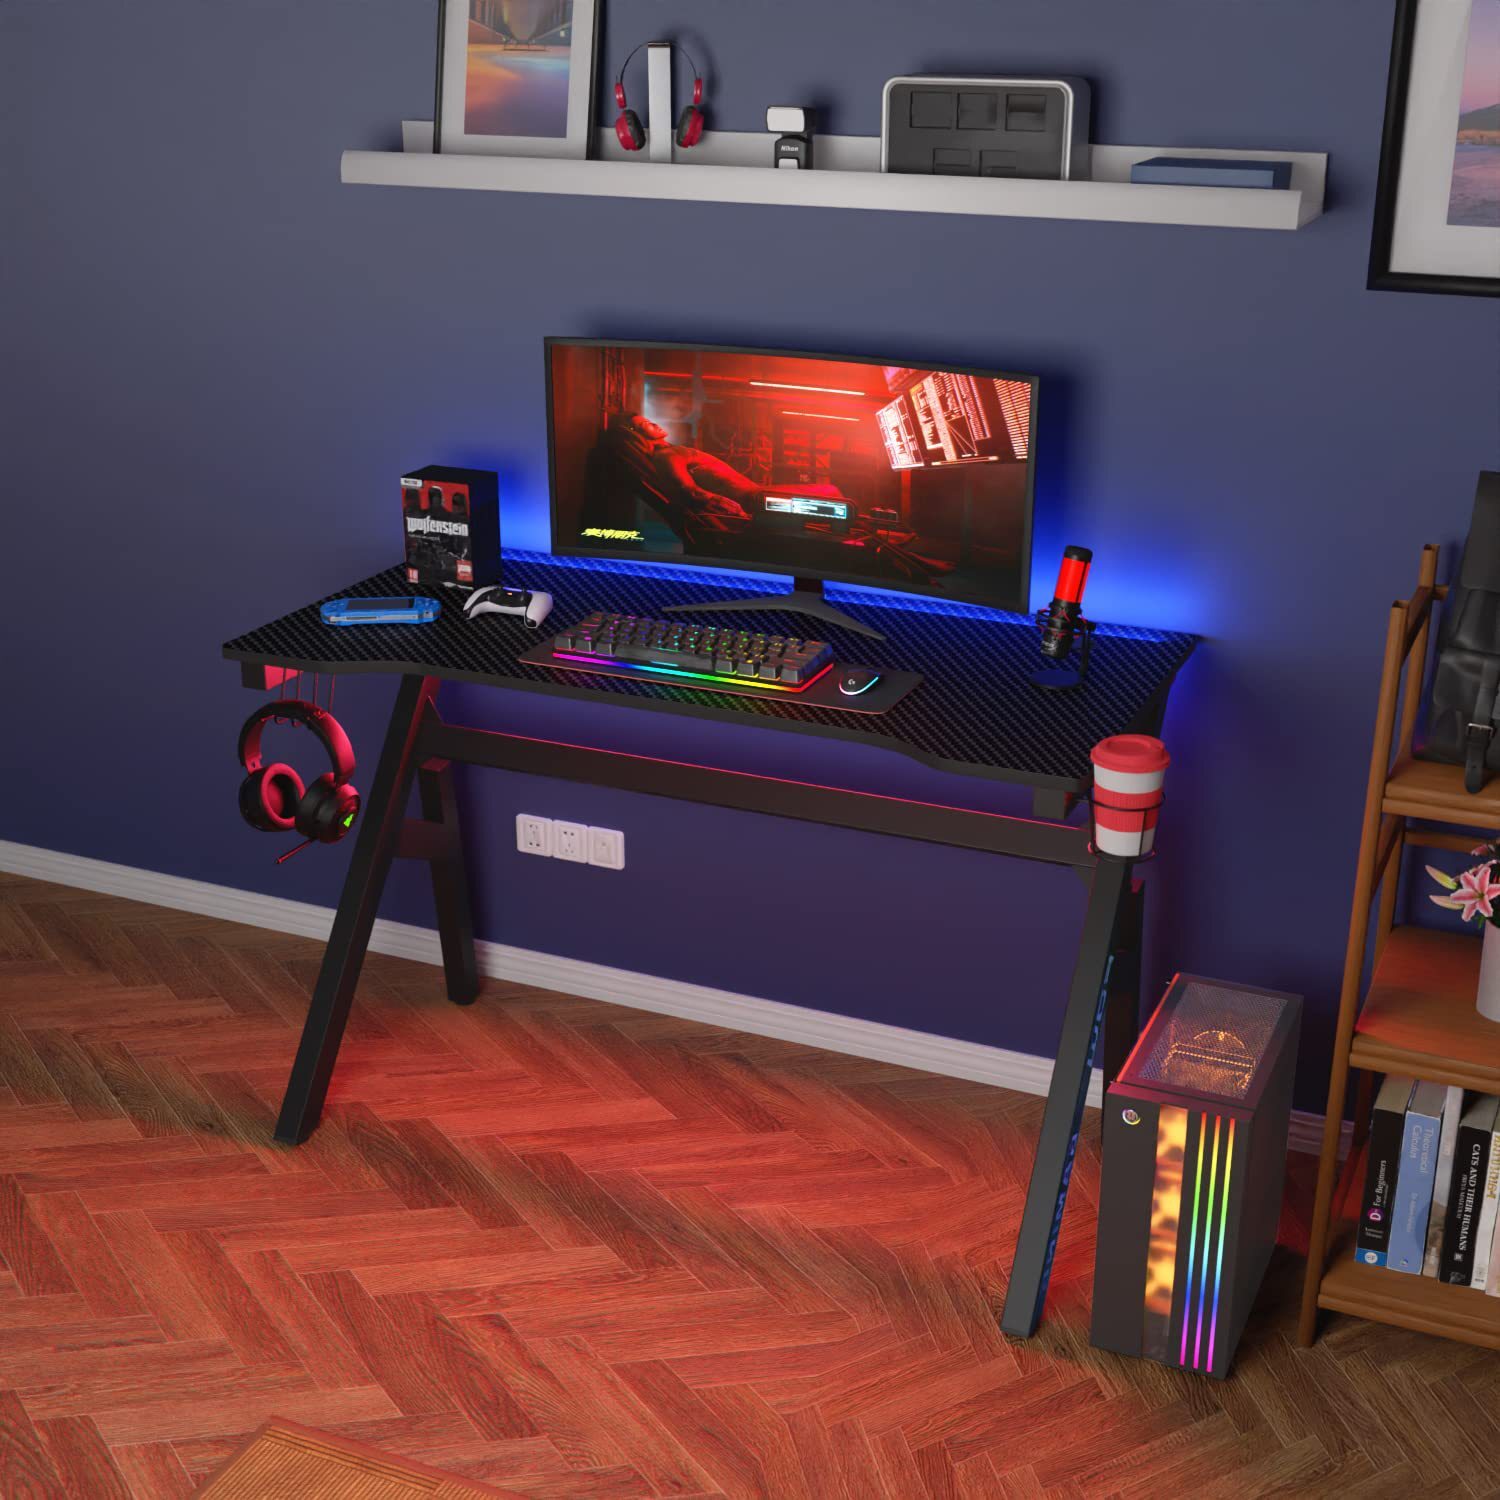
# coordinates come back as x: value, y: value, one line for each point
x: 905, y: 477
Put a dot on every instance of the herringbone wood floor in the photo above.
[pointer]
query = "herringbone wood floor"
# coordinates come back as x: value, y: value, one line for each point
x: 586, y: 1253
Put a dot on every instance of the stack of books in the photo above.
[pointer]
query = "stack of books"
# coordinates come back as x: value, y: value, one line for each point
x: 1431, y: 1204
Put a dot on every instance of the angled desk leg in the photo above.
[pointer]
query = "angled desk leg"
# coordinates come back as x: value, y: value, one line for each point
x: 450, y: 881
x: 1122, y: 1011
x: 1053, y: 1164
x: 374, y: 848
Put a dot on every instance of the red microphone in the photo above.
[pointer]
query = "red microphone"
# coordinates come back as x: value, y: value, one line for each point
x: 1060, y: 621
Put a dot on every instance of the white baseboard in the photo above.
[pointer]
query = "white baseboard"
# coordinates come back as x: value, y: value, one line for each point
x: 998, y: 1066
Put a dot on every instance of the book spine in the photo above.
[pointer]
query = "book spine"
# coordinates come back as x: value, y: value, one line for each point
x: 1471, y: 1155
x: 1214, y: 176
x: 1437, y: 1217
x: 1492, y: 1289
x: 1413, y: 1200
x: 1485, y: 1270
x: 1372, y: 1239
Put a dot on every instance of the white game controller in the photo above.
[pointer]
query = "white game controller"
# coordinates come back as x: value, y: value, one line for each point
x: 494, y: 600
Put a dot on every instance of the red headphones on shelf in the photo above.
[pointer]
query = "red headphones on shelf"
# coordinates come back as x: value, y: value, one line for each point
x: 273, y: 797
x: 628, y: 127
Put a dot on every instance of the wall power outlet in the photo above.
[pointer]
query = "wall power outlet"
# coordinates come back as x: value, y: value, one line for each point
x: 577, y: 843
x: 534, y: 835
x: 570, y: 841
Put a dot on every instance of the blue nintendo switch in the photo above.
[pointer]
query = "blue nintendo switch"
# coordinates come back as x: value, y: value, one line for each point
x: 406, y: 610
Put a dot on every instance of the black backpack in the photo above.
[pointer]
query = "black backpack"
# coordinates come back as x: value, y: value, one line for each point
x: 1463, y: 722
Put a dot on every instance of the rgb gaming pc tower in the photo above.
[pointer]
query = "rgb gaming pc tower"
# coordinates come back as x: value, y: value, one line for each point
x: 1195, y: 1132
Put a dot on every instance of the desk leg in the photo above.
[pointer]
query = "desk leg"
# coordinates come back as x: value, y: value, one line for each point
x: 1053, y: 1164
x: 450, y: 882
x: 374, y: 847
x: 1122, y: 1010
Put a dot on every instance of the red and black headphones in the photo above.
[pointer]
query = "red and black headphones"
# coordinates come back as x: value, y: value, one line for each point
x: 628, y: 127
x: 273, y: 797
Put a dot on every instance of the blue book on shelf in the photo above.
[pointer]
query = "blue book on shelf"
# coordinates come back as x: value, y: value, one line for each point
x: 1213, y: 171
x: 1413, y: 1200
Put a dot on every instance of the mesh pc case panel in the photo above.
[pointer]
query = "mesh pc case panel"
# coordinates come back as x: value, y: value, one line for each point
x: 1194, y: 1163
x: 1210, y: 1041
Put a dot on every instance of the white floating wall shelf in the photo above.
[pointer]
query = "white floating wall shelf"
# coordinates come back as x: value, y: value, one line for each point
x: 734, y: 167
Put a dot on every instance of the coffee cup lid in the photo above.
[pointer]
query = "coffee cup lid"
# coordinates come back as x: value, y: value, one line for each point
x: 1133, y: 754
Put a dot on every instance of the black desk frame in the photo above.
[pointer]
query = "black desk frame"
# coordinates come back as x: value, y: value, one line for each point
x: 1104, y: 996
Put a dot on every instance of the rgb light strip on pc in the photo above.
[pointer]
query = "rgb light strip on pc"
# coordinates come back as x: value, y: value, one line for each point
x: 1213, y: 1182
x: 630, y: 668
x: 1187, y: 1299
x: 1212, y: 1212
x: 1213, y: 1327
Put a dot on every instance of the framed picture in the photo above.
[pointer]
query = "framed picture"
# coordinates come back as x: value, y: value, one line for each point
x: 1437, y: 207
x: 515, y: 77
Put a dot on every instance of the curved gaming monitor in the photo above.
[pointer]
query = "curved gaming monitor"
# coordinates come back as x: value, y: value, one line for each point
x: 851, y: 470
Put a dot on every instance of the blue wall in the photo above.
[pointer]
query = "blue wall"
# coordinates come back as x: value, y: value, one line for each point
x: 216, y: 360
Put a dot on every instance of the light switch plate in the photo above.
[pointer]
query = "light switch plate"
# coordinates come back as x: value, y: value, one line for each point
x: 607, y: 848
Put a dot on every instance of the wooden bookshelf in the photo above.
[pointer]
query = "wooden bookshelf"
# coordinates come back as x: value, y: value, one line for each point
x: 1425, y: 789
x: 1422, y: 1303
x: 1418, y: 1014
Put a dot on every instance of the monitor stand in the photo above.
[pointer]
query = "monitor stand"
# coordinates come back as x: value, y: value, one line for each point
x: 806, y: 598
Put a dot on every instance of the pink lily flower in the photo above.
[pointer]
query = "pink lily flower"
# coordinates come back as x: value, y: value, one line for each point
x: 1476, y: 893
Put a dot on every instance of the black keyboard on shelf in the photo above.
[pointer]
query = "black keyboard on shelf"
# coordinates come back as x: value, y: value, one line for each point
x: 710, y: 656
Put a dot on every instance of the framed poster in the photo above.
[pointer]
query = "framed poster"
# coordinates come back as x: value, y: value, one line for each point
x: 1437, y: 206
x: 515, y: 77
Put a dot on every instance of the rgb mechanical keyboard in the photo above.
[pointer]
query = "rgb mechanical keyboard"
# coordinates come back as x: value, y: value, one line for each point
x: 709, y: 656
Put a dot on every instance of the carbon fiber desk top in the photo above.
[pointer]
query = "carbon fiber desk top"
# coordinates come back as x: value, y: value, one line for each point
x: 975, y: 712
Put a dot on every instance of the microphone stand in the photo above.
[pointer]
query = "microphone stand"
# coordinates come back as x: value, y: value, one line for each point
x: 1062, y: 678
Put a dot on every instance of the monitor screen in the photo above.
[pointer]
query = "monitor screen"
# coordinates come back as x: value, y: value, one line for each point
x: 911, y: 478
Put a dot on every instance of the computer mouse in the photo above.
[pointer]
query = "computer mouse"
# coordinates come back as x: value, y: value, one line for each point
x: 856, y: 680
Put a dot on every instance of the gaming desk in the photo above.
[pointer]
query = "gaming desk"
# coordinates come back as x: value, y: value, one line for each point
x: 975, y: 714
